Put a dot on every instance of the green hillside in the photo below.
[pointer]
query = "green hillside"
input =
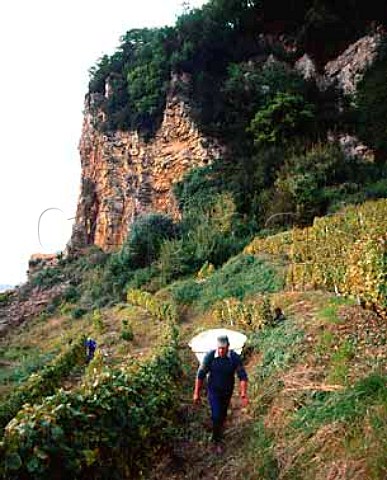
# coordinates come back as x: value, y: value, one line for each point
x: 285, y: 220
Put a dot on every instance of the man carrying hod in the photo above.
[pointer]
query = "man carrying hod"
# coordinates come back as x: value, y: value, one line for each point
x: 220, y: 365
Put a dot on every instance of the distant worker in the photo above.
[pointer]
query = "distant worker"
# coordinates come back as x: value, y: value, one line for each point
x: 220, y: 365
x: 279, y: 316
x: 91, y: 346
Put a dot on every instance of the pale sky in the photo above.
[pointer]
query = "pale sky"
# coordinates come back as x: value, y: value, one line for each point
x: 47, y: 48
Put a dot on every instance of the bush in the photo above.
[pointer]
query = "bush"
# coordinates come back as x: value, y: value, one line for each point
x: 78, y: 312
x: 127, y: 331
x: 247, y: 315
x: 5, y: 297
x: 315, y: 180
x: 345, y: 252
x: 185, y: 292
x: 71, y: 294
x: 145, y: 239
x: 175, y: 260
x: 47, y: 278
x: 142, y: 278
x: 286, y: 116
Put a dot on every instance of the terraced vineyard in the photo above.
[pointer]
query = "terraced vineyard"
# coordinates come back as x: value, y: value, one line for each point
x: 317, y: 379
x: 344, y: 253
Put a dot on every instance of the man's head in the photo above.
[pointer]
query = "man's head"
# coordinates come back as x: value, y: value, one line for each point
x: 222, y: 345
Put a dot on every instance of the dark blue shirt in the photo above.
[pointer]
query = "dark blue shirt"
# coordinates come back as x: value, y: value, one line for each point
x: 221, y: 371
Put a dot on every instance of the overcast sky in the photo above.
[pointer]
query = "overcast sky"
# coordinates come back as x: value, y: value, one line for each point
x: 47, y: 48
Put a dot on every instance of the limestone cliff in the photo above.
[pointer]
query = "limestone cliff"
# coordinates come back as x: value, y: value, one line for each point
x: 348, y: 69
x: 124, y: 176
x: 345, y: 71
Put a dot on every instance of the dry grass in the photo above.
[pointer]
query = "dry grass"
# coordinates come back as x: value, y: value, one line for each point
x: 303, y: 378
x: 303, y: 454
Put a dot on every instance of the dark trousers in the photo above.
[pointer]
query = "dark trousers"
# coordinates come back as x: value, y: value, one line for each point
x: 219, y: 405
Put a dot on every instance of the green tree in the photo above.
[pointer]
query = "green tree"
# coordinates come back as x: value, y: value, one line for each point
x: 283, y: 117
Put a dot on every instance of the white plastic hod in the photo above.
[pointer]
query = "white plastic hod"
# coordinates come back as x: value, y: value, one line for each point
x: 206, y: 341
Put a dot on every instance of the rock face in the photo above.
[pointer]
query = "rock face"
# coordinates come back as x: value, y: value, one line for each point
x: 38, y: 261
x: 24, y: 304
x: 124, y: 176
x: 306, y: 67
x: 344, y: 73
x: 347, y: 69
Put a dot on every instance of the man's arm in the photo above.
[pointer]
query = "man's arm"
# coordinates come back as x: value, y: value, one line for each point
x: 201, y: 375
x: 243, y: 392
x: 197, y: 390
x: 242, y: 375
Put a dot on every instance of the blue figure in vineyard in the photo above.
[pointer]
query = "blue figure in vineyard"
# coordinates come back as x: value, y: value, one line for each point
x: 91, y: 346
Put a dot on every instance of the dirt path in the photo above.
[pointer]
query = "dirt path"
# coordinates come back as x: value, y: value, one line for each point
x: 193, y: 456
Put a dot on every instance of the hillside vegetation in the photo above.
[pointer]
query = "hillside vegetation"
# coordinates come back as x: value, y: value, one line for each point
x: 317, y: 380
x: 285, y: 220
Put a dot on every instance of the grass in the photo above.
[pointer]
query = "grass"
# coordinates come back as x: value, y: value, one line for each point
x: 280, y: 347
x: 265, y: 465
x: 329, y: 313
x: 19, y: 370
x: 340, y: 362
x: 30, y: 347
x: 240, y: 277
x: 333, y: 432
x: 377, y: 442
x: 343, y: 406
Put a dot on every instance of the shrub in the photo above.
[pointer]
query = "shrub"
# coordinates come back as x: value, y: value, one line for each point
x: 247, y: 315
x: 284, y: 117
x: 185, y: 292
x: 164, y: 311
x: 345, y: 253
x: 71, y: 294
x: 316, y: 179
x: 145, y: 239
x: 47, y: 278
x: 127, y: 331
x: 97, y: 320
x: 141, y: 278
x: 175, y: 260
x: 78, y: 312
x: 5, y: 297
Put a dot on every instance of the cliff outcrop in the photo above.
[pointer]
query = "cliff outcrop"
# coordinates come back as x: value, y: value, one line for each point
x: 124, y: 176
x: 345, y: 71
x: 348, y: 69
